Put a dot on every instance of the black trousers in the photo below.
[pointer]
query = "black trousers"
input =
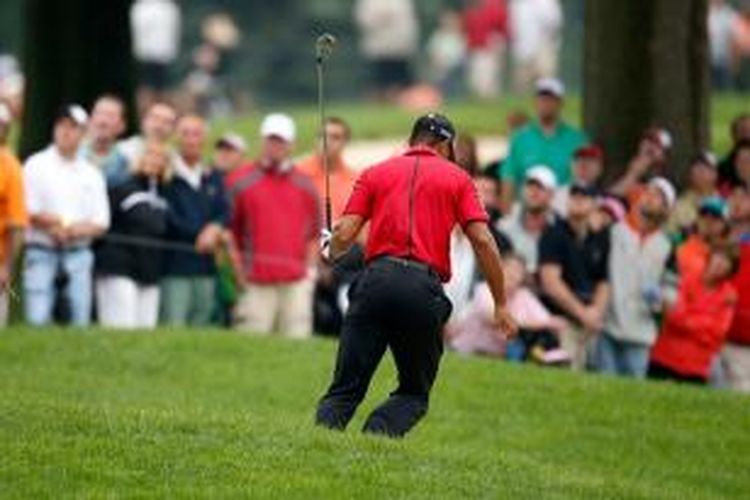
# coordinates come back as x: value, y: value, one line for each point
x: 661, y: 372
x: 394, y: 305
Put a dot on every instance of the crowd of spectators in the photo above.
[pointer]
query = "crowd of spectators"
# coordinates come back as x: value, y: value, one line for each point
x: 632, y: 278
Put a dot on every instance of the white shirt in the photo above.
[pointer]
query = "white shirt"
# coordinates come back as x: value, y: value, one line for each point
x: 535, y: 24
x: 72, y: 189
x: 155, y: 26
x: 192, y: 175
x: 635, y: 263
x: 720, y: 21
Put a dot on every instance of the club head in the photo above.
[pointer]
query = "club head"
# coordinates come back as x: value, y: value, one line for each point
x: 324, y: 46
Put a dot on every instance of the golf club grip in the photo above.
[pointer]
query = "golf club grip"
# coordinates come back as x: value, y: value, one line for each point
x: 329, y: 222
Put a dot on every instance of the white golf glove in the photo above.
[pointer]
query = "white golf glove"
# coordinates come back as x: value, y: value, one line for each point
x: 325, y: 244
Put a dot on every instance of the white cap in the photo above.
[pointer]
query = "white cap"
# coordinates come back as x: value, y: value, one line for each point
x: 551, y: 86
x: 5, y: 115
x: 233, y: 140
x: 278, y: 125
x: 75, y: 113
x: 667, y: 190
x: 543, y: 175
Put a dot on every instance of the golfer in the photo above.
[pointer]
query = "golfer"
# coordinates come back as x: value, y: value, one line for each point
x: 413, y: 202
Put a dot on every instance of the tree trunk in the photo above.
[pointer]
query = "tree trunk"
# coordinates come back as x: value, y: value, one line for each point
x: 646, y: 63
x: 74, y: 50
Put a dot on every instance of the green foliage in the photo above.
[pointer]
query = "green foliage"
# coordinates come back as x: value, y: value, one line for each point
x: 376, y: 120
x: 186, y: 414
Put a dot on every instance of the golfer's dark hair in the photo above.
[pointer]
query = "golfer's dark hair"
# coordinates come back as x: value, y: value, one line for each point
x: 425, y: 137
x: 338, y: 121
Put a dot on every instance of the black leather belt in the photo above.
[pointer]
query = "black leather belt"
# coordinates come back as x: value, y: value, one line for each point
x: 412, y: 264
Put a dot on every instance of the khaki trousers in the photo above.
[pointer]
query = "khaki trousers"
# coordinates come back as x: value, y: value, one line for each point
x: 736, y: 361
x: 579, y: 344
x: 284, y: 308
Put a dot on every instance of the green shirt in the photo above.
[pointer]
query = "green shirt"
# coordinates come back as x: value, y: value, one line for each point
x: 530, y: 146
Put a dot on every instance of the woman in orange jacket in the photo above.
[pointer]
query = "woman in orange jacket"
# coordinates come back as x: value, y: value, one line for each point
x: 696, y: 325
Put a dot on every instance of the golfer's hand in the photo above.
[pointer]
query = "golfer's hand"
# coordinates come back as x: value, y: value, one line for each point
x: 325, y: 244
x: 506, y: 325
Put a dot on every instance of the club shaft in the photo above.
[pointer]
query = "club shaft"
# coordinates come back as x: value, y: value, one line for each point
x: 324, y: 144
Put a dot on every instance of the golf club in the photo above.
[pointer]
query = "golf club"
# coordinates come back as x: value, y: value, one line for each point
x: 323, y: 48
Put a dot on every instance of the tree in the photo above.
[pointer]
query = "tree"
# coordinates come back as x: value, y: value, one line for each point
x: 646, y: 63
x: 74, y: 50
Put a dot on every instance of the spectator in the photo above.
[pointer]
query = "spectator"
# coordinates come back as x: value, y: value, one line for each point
x: 739, y: 176
x: 68, y: 207
x: 460, y: 287
x: 736, y: 352
x: 100, y: 148
x: 588, y: 166
x: 342, y: 177
x: 328, y: 310
x: 128, y: 262
x: 739, y: 132
x: 573, y: 269
x: 741, y: 47
x: 704, y: 176
x: 13, y: 216
x: 650, y: 160
x: 488, y: 187
x: 486, y: 26
x: 229, y: 153
x: 529, y: 219
x: 476, y: 333
x: 275, y: 221
x: 197, y: 215
x: 639, y: 249
x: 721, y: 18
x: 711, y: 229
x: 446, y: 51
x: 157, y: 125
x: 390, y: 36
x: 696, y: 325
x: 156, y: 26
x: 548, y: 140
x: 536, y: 27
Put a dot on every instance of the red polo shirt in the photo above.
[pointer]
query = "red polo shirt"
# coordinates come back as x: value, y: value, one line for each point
x: 413, y: 202
x: 275, y: 217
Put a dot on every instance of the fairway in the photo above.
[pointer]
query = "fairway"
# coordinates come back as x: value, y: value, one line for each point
x: 182, y: 414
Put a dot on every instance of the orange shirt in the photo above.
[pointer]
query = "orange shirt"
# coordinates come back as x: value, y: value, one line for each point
x: 692, y: 257
x: 342, y: 181
x: 12, y: 206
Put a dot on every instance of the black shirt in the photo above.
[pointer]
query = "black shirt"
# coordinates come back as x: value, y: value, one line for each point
x: 139, y: 215
x: 583, y: 261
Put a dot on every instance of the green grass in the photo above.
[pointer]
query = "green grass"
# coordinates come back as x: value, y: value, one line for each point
x: 373, y: 120
x: 179, y: 414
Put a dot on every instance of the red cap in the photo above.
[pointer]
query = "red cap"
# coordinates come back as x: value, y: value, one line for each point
x: 590, y: 151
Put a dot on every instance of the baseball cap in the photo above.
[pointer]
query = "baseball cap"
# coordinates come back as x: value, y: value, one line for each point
x: 5, y: 115
x: 661, y: 136
x: 233, y: 141
x: 542, y: 175
x: 550, y: 86
x: 581, y: 189
x: 613, y: 206
x: 436, y: 124
x: 74, y: 113
x: 278, y: 125
x: 706, y: 158
x: 714, y: 206
x: 590, y: 151
x: 666, y: 188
